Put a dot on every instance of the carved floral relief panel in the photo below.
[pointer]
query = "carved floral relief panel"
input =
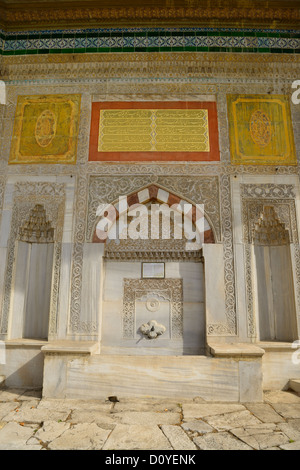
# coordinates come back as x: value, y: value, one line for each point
x: 260, y: 130
x: 45, y: 129
x: 170, y: 290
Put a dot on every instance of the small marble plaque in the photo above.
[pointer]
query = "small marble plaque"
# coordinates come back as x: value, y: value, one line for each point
x: 153, y: 270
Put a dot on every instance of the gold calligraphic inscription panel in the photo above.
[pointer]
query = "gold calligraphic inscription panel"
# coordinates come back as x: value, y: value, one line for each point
x: 45, y: 129
x: 153, y: 130
x: 260, y: 130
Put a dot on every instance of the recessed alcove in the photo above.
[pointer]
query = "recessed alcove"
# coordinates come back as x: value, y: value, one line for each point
x: 274, y: 289
x: 172, y: 296
x: 33, y: 277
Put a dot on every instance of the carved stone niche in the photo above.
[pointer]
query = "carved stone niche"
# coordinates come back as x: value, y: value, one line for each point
x: 273, y: 279
x: 35, y: 249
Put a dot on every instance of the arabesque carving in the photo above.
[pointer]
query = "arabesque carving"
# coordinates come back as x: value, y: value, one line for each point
x: 37, y: 229
x: 268, y: 230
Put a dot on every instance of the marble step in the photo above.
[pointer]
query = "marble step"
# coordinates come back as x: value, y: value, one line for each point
x: 294, y: 384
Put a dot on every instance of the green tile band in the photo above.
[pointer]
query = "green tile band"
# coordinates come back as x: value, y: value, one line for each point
x: 128, y: 40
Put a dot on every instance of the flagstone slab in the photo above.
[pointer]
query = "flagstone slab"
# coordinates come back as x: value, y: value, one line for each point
x: 74, y: 404
x: 261, y: 437
x: 179, y: 440
x: 86, y: 436
x: 291, y: 429
x: 11, y: 394
x: 31, y: 395
x: 280, y: 396
x: 147, y: 405
x: 273, y: 448
x: 104, y: 420
x: 151, y: 418
x: 232, y: 420
x: 35, y: 415
x: 13, y: 436
x: 137, y: 437
x: 27, y: 405
x: 220, y: 441
x: 197, y: 426
x: 195, y: 411
x: 49, y: 431
x: 5, y: 408
x: 288, y: 410
x: 264, y: 412
x: 291, y: 446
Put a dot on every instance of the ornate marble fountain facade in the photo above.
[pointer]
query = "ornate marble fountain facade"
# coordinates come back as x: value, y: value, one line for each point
x: 221, y: 321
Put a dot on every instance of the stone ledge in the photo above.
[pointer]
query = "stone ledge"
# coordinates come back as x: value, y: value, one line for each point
x: 25, y: 343
x: 294, y: 384
x: 275, y: 346
x: 235, y: 350
x: 71, y: 347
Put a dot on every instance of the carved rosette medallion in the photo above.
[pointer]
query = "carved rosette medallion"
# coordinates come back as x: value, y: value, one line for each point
x: 152, y: 305
x: 45, y: 128
x: 260, y: 128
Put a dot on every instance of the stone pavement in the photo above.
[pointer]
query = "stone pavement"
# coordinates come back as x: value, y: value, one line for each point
x: 28, y: 422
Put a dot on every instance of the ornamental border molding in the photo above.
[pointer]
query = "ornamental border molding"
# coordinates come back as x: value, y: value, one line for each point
x: 228, y: 328
x: 75, y: 324
x: 25, y: 196
x: 108, y: 15
x: 2, y: 190
x: 253, y: 198
x: 153, y: 169
x: 169, y: 289
x: 149, y: 66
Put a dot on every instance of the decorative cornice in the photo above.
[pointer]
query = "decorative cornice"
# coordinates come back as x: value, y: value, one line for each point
x: 20, y: 15
x: 149, y: 66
